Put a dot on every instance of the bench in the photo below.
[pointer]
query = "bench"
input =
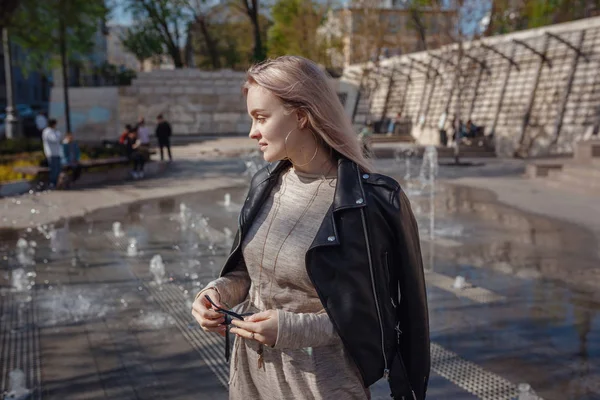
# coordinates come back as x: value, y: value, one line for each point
x: 39, y: 172
x: 540, y: 169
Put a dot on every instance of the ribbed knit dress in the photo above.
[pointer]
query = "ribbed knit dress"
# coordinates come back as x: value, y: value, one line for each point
x: 308, y: 360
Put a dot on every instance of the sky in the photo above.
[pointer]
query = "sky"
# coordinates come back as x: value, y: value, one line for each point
x: 120, y: 16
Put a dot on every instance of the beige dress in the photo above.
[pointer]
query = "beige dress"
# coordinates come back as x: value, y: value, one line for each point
x: 308, y: 360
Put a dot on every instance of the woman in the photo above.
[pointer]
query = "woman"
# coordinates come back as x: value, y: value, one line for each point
x: 324, y: 246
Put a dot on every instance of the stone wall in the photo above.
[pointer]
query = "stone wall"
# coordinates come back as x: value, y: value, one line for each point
x: 94, y: 111
x: 195, y: 102
x: 495, y: 93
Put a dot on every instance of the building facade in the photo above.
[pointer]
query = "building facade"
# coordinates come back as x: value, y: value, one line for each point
x: 371, y: 30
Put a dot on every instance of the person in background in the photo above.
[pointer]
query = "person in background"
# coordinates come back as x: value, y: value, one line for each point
x: 70, y: 157
x: 132, y: 144
x: 123, y: 135
x: 51, y: 138
x: 41, y: 122
x: 394, y: 123
x: 143, y: 134
x: 163, y: 134
x: 364, y: 136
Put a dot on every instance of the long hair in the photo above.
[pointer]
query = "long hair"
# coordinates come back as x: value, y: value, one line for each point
x: 301, y: 85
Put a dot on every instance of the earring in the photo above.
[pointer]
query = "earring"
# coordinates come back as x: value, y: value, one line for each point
x: 288, y: 157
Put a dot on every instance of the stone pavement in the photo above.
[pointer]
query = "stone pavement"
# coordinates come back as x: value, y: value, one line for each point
x: 125, y: 357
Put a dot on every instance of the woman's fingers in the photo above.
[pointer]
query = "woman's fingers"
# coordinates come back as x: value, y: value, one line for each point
x: 207, y: 323
x: 248, y: 334
x: 203, y: 307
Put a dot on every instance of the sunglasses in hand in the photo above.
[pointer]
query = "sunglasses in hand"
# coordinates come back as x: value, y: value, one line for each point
x: 228, y: 314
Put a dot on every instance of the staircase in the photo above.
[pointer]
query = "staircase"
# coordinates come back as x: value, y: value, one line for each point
x: 580, y: 173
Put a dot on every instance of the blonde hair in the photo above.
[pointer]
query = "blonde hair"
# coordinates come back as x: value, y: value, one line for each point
x: 302, y: 86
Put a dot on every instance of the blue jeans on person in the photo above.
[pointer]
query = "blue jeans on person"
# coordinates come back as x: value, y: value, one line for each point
x: 55, y: 168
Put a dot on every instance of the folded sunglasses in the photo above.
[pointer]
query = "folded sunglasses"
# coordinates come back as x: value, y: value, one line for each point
x: 229, y: 315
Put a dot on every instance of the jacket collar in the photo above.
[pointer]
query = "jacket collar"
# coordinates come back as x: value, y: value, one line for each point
x: 349, y: 192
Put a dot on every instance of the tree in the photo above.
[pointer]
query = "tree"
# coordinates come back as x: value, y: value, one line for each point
x: 8, y: 7
x: 199, y: 10
x: 513, y: 15
x: 233, y: 35
x: 295, y: 29
x: 143, y: 42
x: 250, y: 8
x: 57, y: 27
x: 166, y: 20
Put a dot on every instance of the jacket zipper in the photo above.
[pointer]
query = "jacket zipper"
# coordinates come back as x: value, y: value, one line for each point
x: 386, y: 371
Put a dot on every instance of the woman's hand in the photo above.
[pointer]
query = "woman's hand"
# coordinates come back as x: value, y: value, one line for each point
x: 261, y: 327
x: 209, y: 319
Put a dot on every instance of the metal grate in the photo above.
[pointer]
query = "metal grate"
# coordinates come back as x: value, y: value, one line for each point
x: 477, y: 294
x: 209, y: 346
x: 470, y: 377
x: 20, y: 341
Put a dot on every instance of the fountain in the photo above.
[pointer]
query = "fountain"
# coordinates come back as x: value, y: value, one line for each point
x: 157, y: 268
x: 132, y: 250
x: 429, y: 169
x: 254, y: 163
x: 183, y: 212
x: 459, y: 283
x: 26, y: 252
x: 117, y: 230
x: 16, y: 386
x: 228, y: 240
x: 526, y: 392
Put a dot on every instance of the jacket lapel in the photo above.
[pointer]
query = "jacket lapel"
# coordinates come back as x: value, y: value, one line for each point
x: 265, y: 179
x: 349, y: 194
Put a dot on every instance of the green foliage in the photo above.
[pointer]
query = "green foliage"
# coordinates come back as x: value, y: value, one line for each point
x: 294, y: 30
x: 143, y: 42
x: 35, y: 26
x: 509, y: 15
x: 115, y: 75
x: 233, y: 35
x: 20, y: 145
x: 162, y: 20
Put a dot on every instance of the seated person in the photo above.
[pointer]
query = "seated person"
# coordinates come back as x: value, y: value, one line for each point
x: 364, y: 136
x: 133, y: 153
x: 123, y: 136
x: 70, y: 158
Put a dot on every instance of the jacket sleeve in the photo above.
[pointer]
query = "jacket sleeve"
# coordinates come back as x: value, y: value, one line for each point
x: 300, y: 330
x: 412, y: 312
x: 233, y: 287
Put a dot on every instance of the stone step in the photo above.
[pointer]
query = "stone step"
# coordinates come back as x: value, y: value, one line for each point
x: 571, y: 186
x: 591, y: 171
x: 577, y: 178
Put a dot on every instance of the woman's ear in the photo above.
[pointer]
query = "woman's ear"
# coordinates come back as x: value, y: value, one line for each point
x: 302, y: 119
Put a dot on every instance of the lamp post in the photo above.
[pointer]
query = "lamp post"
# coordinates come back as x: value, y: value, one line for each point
x: 11, y: 121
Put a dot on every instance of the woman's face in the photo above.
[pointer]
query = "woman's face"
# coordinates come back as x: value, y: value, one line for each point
x: 271, y: 123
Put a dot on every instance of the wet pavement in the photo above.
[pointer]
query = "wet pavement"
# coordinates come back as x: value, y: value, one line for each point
x: 96, y: 324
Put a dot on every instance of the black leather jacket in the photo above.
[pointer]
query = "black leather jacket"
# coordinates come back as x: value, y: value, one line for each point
x: 365, y: 263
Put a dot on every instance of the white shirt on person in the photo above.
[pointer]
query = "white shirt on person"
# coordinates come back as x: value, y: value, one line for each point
x: 52, y: 142
x: 144, y: 134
